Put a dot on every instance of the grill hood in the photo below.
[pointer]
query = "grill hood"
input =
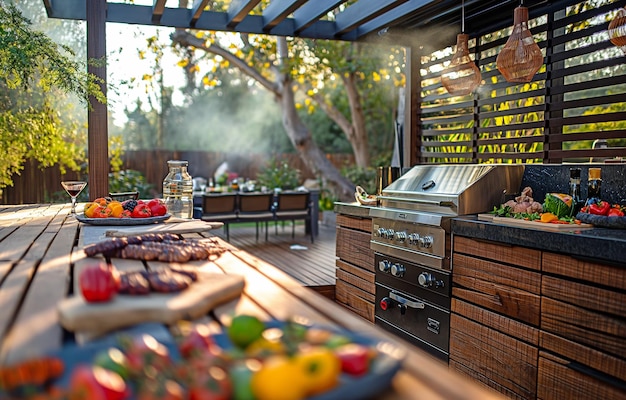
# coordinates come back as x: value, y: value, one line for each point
x: 457, y: 189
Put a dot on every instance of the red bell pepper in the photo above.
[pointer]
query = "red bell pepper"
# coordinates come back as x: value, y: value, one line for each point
x: 615, y: 212
x: 600, y: 208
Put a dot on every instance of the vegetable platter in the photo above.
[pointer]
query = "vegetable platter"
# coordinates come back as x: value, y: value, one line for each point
x: 247, y: 359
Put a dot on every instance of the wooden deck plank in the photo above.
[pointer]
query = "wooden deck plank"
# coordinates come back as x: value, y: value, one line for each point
x: 312, y: 267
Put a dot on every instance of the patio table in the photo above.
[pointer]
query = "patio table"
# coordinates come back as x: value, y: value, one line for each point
x: 40, y: 244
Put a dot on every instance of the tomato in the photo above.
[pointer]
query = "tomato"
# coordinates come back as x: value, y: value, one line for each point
x: 280, y: 378
x: 615, y: 212
x: 197, y: 342
x: 321, y: 368
x: 96, y: 383
x: 99, y: 282
x: 160, y: 389
x: 354, y: 358
x: 212, y: 383
x: 141, y: 211
x: 145, y: 351
x: 157, y: 207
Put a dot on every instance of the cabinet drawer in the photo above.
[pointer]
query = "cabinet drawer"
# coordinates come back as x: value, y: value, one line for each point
x: 511, y: 291
x: 354, y: 247
x: 360, y: 224
x: 353, y: 299
x: 584, y: 355
x: 505, y: 362
x: 514, y: 255
x: 358, y: 277
x: 589, y: 327
x: 557, y: 380
x: 601, y: 274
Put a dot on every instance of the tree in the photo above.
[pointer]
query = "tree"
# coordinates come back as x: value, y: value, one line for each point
x: 34, y: 71
x: 277, y: 65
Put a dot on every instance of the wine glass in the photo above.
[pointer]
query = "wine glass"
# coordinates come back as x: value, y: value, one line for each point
x: 73, y: 188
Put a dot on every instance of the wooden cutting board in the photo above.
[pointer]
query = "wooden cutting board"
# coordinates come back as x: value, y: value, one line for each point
x: 533, y: 224
x: 210, y: 290
x: 177, y: 227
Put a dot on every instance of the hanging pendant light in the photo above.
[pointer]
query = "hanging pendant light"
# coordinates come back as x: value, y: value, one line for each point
x: 520, y: 58
x: 617, y: 29
x: 462, y: 75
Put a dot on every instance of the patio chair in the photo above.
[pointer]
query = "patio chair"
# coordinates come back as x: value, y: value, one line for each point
x: 220, y: 207
x: 257, y: 207
x: 292, y: 206
x: 122, y: 196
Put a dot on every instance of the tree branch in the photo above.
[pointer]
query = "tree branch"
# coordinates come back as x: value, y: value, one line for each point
x: 184, y: 38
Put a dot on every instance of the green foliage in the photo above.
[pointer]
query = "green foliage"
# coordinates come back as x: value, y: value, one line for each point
x: 35, y: 74
x: 29, y: 57
x: 278, y: 174
x: 364, y: 177
x: 129, y: 181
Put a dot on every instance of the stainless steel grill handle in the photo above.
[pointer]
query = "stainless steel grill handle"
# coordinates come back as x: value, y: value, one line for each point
x: 407, y: 302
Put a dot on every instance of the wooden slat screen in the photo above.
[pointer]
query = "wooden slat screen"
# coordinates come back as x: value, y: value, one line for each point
x: 578, y: 97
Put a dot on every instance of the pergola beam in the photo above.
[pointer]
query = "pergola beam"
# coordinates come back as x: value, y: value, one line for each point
x: 312, y: 11
x: 362, y: 12
x: 238, y: 10
x: 157, y: 11
x: 196, y: 11
x: 277, y: 11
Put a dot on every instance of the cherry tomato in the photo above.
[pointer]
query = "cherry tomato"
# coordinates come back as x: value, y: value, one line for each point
x: 145, y: 351
x: 157, y: 207
x: 101, y: 212
x: 197, y: 342
x: 99, y: 282
x: 212, y: 383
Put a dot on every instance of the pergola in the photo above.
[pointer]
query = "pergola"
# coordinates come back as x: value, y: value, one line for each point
x: 360, y: 20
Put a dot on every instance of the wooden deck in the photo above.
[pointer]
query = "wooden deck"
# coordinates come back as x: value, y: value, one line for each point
x: 313, y: 264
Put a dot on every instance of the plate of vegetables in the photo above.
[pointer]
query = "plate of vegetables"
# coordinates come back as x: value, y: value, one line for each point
x: 248, y: 359
x: 603, y: 214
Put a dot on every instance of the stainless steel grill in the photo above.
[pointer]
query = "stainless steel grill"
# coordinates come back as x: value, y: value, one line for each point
x: 412, y: 244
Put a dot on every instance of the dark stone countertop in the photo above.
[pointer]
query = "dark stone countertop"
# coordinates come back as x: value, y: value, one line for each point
x: 596, y: 245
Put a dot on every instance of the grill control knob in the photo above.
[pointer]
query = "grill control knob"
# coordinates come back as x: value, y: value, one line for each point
x: 389, y: 234
x: 400, y: 236
x: 426, y: 279
x: 385, y: 303
x: 426, y: 241
x: 398, y: 270
x: 384, y: 266
x: 380, y: 232
x: 414, y: 238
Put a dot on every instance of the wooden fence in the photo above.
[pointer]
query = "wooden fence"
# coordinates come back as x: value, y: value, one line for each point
x: 35, y: 185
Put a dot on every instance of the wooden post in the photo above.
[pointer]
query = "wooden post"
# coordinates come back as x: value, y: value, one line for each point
x: 98, y: 149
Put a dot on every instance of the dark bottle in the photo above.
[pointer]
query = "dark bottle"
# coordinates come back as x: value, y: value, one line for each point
x: 594, y: 187
x: 574, y: 190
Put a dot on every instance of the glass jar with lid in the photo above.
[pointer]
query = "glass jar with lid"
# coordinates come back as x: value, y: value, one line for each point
x: 178, y: 190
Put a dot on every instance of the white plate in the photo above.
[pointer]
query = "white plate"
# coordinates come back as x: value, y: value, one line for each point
x: 122, y: 221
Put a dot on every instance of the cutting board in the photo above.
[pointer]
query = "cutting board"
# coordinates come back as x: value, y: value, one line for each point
x: 176, y: 227
x: 210, y: 290
x: 521, y: 223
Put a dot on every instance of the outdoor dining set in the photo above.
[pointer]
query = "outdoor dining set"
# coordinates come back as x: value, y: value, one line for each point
x: 260, y: 208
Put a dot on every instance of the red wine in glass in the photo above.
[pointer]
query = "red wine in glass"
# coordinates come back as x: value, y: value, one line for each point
x: 73, y: 188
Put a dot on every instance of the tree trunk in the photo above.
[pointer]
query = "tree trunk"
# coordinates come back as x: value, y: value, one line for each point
x: 301, y: 138
x: 299, y: 134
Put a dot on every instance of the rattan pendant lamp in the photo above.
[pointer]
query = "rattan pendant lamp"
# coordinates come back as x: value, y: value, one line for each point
x: 462, y: 75
x: 617, y: 29
x: 520, y: 58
